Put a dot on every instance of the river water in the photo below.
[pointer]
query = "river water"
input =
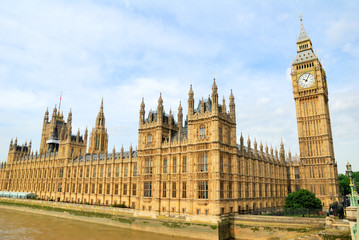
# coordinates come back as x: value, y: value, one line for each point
x: 16, y: 225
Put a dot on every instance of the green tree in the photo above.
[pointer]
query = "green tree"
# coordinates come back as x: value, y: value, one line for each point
x: 302, y: 199
x: 344, y: 184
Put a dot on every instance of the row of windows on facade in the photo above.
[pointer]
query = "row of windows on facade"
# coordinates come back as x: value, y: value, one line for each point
x: 303, y: 66
x: 226, y: 189
x: 43, y: 173
x: 202, y: 134
x: 202, y: 167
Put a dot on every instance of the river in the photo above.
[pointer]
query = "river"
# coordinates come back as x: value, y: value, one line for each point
x: 15, y: 225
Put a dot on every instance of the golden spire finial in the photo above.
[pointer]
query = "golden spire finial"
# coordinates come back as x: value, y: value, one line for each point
x: 300, y: 17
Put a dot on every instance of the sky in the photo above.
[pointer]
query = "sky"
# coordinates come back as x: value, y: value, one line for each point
x: 123, y: 51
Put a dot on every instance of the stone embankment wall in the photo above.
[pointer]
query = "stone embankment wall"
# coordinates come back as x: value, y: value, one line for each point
x: 195, y: 227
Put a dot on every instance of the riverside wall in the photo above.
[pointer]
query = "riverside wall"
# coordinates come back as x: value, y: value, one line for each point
x: 195, y: 227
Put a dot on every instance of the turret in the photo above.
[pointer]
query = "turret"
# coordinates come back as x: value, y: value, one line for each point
x: 232, y: 107
x: 11, y: 144
x: 160, y: 110
x: 69, y: 117
x: 224, y: 110
x: 190, y: 101
x: 170, y: 118
x: 46, y: 117
x: 86, y: 135
x: 180, y: 117
x: 142, y: 112
x: 214, y: 96
x: 54, y: 112
x: 281, y: 152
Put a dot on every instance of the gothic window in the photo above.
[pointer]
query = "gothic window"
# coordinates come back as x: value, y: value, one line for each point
x: 117, y: 171
x: 125, y: 189
x: 87, y: 172
x: 135, y: 170
x: 174, y: 165
x: 134, y: 186
x: 230, y: 190
x: 94, y: 172
x: 101, y: 172
x: 148, y: 166
x: 165, y: 165
x: 221, y: 164
x: 116, y: 189
x: 69, y: 173
x: 184, y: 190
x: 86, y: 188
x: 75, y: 172
x: 229, y: 137
x: 108, y: 188
x: 147, y: 189
x: 203, y: 190
x: 221, y: 190
x: 109, y: 169
x: 125, y: 174
x: 173, y: 190
x: 164, y: 190
x: 149, y: 139
x: 296, y: 171
x: 203, y: 162
x: 220, y: 134
x: 202, y: 131
x: 100, y: 188
x: 229, y: 165
x: 59, y: 189
x: 81, y: 172
x: 184, y: 164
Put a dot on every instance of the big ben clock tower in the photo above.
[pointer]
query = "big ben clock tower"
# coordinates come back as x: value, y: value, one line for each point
x: 317, y: 166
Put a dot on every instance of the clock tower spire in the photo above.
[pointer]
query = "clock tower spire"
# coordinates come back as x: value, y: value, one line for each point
x: 317, y: 163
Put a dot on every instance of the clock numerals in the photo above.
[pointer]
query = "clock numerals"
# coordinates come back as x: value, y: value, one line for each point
x: 306, y: 80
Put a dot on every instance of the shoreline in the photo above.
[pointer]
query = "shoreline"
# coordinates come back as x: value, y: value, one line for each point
x: 123, y: 220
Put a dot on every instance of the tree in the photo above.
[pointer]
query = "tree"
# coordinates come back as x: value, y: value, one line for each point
x: 303, y: 199
x: 344, y: 184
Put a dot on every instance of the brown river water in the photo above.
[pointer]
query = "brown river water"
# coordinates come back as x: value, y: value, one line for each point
x: 16, y: 225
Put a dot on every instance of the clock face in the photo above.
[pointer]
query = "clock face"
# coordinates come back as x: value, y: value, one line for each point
x: 306, y: 80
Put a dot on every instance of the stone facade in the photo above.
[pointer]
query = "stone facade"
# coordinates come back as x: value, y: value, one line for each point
x: 192, y: 166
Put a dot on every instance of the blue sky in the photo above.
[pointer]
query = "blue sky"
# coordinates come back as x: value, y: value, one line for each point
x: 125, y: 50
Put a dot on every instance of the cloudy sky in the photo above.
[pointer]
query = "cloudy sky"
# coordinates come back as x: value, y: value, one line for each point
x: 125, y: 50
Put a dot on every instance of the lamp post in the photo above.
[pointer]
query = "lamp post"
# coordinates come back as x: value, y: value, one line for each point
x: 353, y: 192
x: 352, y: 210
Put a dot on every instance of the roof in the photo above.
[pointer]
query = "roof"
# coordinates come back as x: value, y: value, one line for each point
x: 305, y: 56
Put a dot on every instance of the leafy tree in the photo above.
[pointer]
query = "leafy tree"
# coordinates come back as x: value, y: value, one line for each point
x: 344, y: 184
x: 302, y: 199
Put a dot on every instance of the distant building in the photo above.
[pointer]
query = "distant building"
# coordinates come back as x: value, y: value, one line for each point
x: 191, y: 166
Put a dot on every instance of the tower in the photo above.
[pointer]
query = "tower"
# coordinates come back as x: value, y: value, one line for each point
x: 318, y: 167
x: 99, y: 138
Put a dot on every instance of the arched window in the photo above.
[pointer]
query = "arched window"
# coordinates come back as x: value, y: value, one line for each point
x: 202, y: 131
x: 149, y: 139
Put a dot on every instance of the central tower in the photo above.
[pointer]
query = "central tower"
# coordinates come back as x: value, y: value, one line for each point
x: 318, y: 168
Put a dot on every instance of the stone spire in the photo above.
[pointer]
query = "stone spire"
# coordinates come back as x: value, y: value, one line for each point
x: 190, y: 101
x: 232, y: 106
x: 180, y: 117
x: 214, y: 96
x: 302, y: 34
x: 160, y: 109
x: 99, y: 137
x: 142, y: 112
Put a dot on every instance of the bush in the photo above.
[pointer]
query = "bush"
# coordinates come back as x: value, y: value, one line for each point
x: 303, y: 199
x: 119, y: 205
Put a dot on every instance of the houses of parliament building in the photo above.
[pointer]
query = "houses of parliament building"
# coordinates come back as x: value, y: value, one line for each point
x: 185, y: 165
